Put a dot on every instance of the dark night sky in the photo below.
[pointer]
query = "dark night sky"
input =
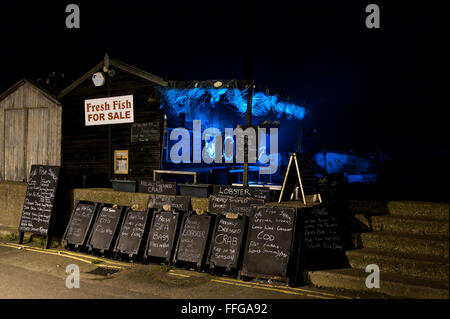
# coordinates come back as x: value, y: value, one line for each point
x: 364, y: 88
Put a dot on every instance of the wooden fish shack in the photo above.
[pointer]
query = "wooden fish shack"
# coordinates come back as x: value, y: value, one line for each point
x: 112, y: 125
x: 30, y: 126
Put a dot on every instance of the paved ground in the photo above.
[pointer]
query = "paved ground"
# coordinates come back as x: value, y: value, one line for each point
x: 28, y: 271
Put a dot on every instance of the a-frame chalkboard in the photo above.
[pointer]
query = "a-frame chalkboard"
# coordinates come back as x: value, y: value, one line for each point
x: 134, y: 228
x: 163, y: 235
x: 80, y: 224
x: 193, y: 239
x: 300, y: 171
x: 39, y: 202
x: 273, y: 245
x: 227, y: 242
x: 105, y: 229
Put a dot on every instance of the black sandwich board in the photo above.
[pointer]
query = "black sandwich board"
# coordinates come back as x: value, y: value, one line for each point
x: 80, y: 224
x: 219, y: 204
x: 272, y: 246
x: 156, y: 187
x: 262, y: 193
x: 226, y: 247
x: 133, y: 230
x: 145, y: 132
x: 322, y: 240
x: 157, y: 201
x: 163, y: 233
x: 193, y: 239
x: 106, y: 228
x: 300, y: 171
x: 39, y: 202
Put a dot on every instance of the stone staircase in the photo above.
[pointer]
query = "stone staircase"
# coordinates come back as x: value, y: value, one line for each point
x: 409, y: 241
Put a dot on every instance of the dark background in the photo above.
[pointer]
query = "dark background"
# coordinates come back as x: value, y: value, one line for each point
x: 365, y: 89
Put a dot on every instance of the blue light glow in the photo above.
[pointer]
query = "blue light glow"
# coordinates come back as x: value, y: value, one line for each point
x: 196, y: 100
x: 210, y: 146
x: 228, y: 142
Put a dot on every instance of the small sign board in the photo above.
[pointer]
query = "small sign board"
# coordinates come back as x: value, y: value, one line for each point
x: 321, y: 230
x: 270, y: 242
x: 121, y: 162
x: 192, y: 241
x: 162, y: 235
x: 322, y: 239
x: 80, y: 224
x: 145, y: 132
x: 132, y: 232
x: 157, y: 201
x: 219, y: 204
x: 226, y: 243
x: 39, y: 201
x: 109, y: 110
x: 151, y: 187
x: 242, y: 191
x: 105, y: 228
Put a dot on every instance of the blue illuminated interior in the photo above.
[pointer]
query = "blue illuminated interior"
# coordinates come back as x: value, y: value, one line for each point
x: 226, y: 108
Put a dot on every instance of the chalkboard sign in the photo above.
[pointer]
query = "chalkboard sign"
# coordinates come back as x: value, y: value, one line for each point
x: 132, y: 232
x: 308, y: 171
x: 226, y: 244
x: 80, y: 223
x: 166, y: 188
x: 242, y: 191
x: 145, y: 132
x: 322, y: 239
x: 321, y: 230
x: 39, y: 200
x: 193, y: 238
x: 181, y: 203
x: 162, y: 234
x: 218, y: 204
x: 300, y: 171
x: 105, y: 229
x: 270, y: 242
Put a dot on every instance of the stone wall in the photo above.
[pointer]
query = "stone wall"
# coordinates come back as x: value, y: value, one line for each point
x: 12, y: 196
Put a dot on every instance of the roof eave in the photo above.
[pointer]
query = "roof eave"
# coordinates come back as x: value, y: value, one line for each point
x: 120, y: 65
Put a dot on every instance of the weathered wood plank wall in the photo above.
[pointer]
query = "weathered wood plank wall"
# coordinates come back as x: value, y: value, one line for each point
x: 30, y: 127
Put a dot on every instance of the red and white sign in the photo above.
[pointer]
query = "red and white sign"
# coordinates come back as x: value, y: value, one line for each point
x: 109, y: 110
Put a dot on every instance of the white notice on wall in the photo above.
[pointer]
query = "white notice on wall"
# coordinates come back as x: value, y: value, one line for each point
x: 109, y: 110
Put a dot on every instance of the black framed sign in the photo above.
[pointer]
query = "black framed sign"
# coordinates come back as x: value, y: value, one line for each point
x: 270, y: 243
x: 323, y: 244
x: 157, y: 187
x: 163, y: 234
x: 157, y: 201
x: 80, y: 223
x: 105, y: 229
x: 242, y: 191
x: 39, y: 201
x: 194, y: 236
x: 132, y: 232
x: 226, y: 242
x: 219, y: 204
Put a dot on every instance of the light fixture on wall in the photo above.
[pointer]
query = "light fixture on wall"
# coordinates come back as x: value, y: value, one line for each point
x: 98, y: 79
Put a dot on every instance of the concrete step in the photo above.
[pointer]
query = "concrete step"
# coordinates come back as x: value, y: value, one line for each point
x: 390, y: 284
x: 414, y: 265
x: 419, y: 209
x: 404, y: 225
x: 368, y: 207
x: 406, y: 244
x: 400, y: 208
